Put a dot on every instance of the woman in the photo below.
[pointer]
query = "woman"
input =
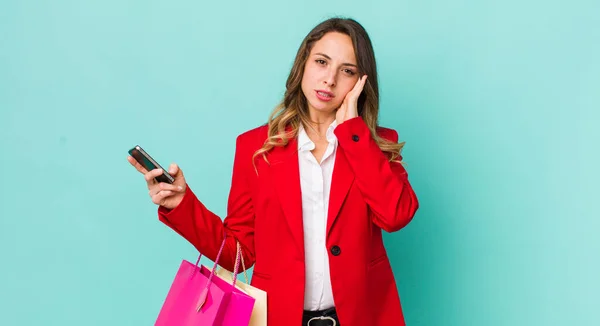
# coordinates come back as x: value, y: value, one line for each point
x: 311, y: 192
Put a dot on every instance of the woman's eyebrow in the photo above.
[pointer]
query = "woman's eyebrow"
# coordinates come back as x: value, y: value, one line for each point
x: 329, y: 58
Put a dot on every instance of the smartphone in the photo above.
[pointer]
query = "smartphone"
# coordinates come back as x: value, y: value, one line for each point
x: 140, y: 155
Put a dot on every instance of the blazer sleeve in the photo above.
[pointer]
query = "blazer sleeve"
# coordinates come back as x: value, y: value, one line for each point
x: 205, y: 230
x: 383, y: 184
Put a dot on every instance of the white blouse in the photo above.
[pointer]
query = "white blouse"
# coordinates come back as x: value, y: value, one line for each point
x: 315, y: 183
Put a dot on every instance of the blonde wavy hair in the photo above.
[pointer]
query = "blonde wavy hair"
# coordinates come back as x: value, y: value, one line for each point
x: 285, y: 120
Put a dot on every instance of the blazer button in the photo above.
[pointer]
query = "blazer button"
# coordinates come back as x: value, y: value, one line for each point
x: 355, y: 138
x: 336, y: 251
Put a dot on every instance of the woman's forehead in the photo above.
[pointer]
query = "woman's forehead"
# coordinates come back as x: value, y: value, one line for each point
x: 336, y: 46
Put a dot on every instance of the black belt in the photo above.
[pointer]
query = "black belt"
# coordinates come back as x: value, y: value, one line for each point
x: 327, y: 317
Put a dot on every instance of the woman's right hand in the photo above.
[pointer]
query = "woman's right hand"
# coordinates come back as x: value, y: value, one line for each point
x: 163, y: 194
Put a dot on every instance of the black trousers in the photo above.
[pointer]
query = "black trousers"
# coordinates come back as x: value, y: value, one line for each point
x: 320, y: 318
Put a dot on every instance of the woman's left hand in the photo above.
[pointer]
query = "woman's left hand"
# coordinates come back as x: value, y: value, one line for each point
x: 349, y: 109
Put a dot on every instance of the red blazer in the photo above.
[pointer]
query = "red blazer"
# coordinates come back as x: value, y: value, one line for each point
x: 264, y: 213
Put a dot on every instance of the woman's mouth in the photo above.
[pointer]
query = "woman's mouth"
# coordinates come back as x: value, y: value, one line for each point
x: 324, y: 95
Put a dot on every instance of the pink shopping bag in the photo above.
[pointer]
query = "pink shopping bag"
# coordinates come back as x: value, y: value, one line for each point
x: 199, y: 297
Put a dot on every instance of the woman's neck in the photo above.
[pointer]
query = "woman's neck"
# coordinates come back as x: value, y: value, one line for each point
x: 319, y: 123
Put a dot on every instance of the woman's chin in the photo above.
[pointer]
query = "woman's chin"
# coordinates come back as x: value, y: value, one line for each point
x: 323, y: 108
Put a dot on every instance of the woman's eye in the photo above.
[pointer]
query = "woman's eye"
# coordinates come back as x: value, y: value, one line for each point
x: 320, y: 61
x: 349, y: 72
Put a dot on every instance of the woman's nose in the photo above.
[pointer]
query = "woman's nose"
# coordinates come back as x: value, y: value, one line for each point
x: 330, y: 78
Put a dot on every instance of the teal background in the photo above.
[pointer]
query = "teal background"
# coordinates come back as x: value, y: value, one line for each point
x: 497, y: 100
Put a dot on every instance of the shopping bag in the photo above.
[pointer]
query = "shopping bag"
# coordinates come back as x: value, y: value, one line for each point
x: 198, y: 296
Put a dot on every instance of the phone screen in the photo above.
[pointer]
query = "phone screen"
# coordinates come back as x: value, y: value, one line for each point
x: 150, y: 164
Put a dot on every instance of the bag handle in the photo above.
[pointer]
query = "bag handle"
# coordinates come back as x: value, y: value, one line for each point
x: 239, y: 257
x: 243, y: 264
x: 204, y: 293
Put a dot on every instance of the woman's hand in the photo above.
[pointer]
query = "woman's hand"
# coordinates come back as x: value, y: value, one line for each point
x: 163, y: 194
x: 348, y: 109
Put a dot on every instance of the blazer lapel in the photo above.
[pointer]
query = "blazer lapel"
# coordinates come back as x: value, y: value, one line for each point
x: 286, y: 182
x: 341, y: 180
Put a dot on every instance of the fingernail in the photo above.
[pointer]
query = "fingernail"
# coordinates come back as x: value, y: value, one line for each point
x: 180, y: 188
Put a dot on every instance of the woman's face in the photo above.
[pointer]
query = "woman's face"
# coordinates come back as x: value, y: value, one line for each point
x: 330, y: 72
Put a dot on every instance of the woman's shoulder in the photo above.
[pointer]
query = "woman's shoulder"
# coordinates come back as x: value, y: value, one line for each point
x: 254, y: 135
x: 387, y: 133
x: 359, y: 125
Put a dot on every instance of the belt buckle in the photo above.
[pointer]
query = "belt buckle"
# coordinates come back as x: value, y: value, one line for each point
x: 321, y: 318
